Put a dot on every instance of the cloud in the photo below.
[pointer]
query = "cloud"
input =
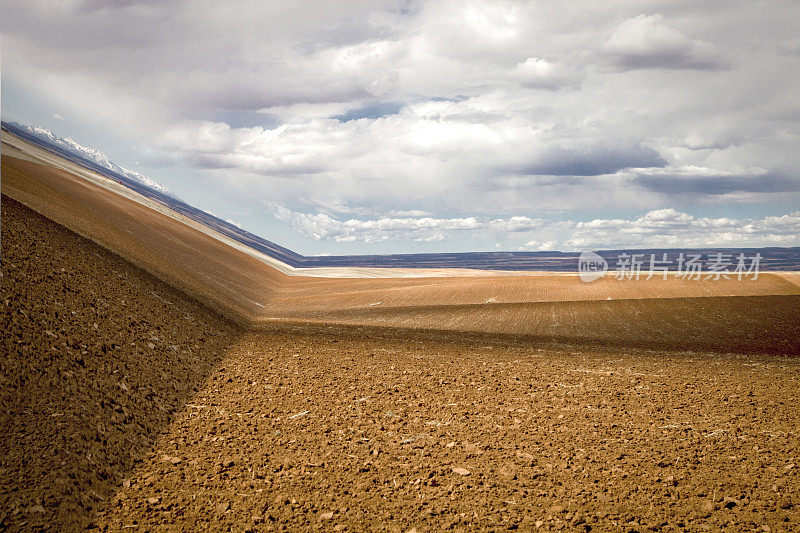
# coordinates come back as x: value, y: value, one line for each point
x: 592, y: 160
x: 427, y: 155
x: 441, y: 110
x: 701, y: 181
x: 711, y: 141
x: 789, y: 47
x: 516, y: 224
x: 670, y: 228
x: 538, y: 246
x: 666, y: 227
x: 543, y: 74
x: 321, y: 226
x: 643, y: 42
x: 57, y: 116
x: 304, y: 112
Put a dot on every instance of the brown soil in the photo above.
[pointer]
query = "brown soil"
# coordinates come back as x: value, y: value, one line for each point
x: 127, y: 406
x: 255, y: 294
x: 97, y: 357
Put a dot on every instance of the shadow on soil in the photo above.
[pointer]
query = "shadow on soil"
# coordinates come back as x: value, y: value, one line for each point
x: 97, y: 357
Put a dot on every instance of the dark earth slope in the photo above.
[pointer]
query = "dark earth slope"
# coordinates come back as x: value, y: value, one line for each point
x: 97, y: 357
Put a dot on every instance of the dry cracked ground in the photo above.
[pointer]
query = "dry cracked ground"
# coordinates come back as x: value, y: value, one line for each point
x: 127, y: 406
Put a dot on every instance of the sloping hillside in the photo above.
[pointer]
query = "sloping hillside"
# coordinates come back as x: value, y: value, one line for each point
x: 97, y: 357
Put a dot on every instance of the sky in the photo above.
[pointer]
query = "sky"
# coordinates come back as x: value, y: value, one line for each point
x: 391, y: 127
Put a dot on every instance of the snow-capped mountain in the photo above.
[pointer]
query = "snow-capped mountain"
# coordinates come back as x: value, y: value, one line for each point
x: 92, y: 154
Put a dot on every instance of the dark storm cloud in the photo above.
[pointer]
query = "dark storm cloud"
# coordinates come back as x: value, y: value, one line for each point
x: 593, y: 161
x: 771, y: 182
x: 672, y: 61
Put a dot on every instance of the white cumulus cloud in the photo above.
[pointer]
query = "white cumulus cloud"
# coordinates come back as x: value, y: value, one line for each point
x: 645, y: 41
x: 666, y: 228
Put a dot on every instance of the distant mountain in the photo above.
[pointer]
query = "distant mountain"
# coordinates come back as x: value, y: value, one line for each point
x: 91, y: 154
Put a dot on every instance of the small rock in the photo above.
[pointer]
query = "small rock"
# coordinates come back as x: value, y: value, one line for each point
x: 556, y: 509
x: 175, y: 460
x: 507, y: 473
x: 37, y: 509
x: 450, y: 445
x: 473, y: 448
x: 526, y: 458
x: 327, y: 516
x: 224, y: 506
x: 729, y: 503
x: 461, y: 471
x: 153, y: 500
x: 126, y: 483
